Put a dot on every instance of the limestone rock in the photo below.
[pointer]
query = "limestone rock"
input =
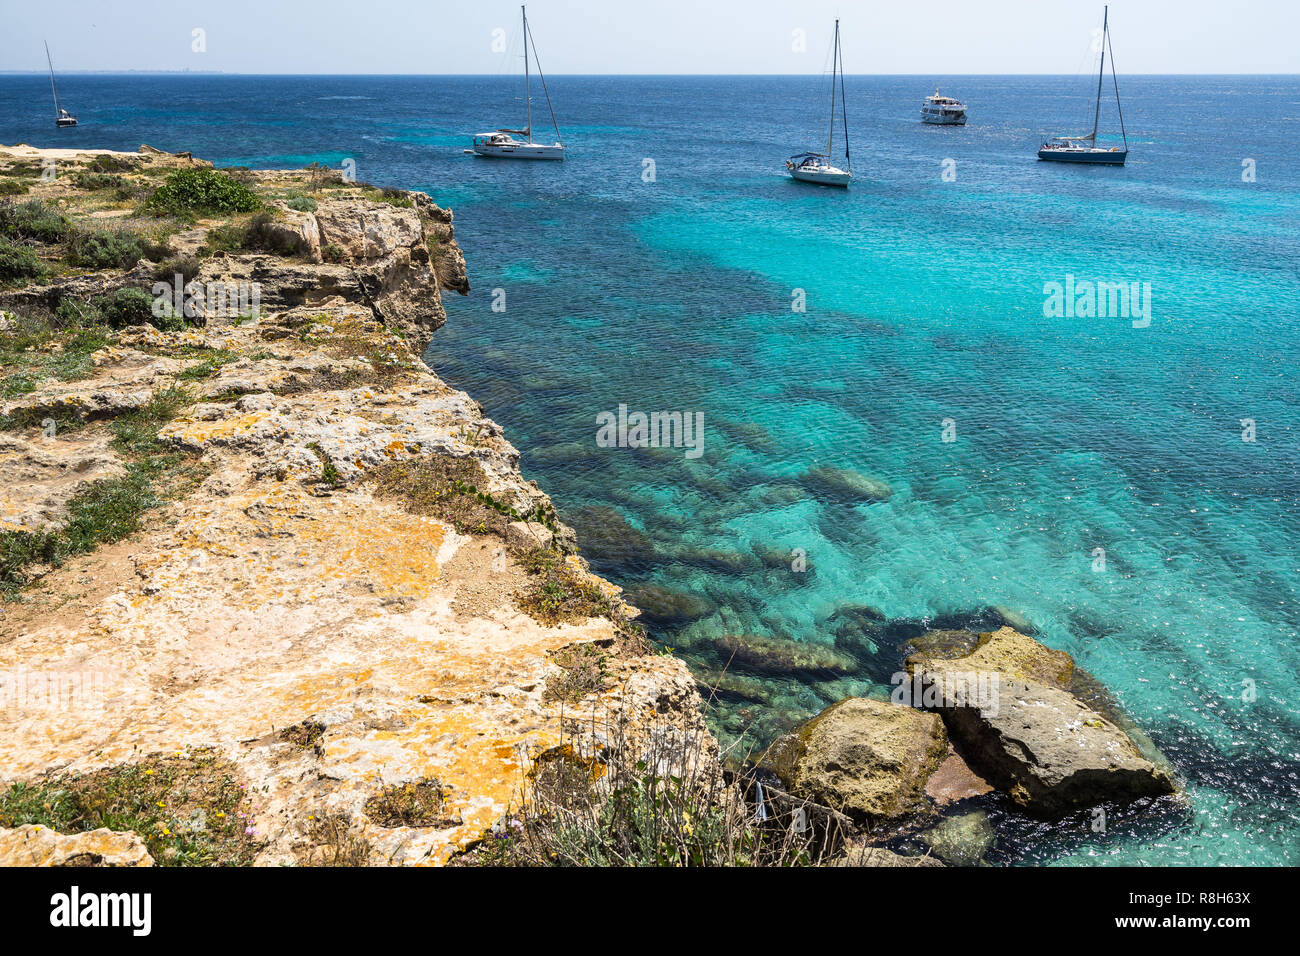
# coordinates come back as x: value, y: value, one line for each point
x: 955, y: 781
x: 529, y: 534
x: 1048, y: 750
x: 1052, y: 750
x: 1006, y: 651
x: 295, y: 232
x: 42, y: 473
x: 30, y: 845
x: 866, y: 758
x: 123, y: 379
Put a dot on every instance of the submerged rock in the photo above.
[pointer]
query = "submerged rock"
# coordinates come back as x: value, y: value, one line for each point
x: 608, y: 538
x: 963, y: 839
x: 859, y: 629
x: 716, y: 559
x: 846, y: 485
x: 770, y: 655
x: 865, y: 758
x: 667, y: 607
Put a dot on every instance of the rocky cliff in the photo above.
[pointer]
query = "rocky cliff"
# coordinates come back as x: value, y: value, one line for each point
x: 261, y: 564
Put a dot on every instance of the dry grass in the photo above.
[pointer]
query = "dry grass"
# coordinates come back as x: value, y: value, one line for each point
x: 658, y: 800
x: 334, y: 843
x: 420, y: 803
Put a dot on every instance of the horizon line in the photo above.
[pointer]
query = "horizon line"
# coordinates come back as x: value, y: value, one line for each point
x: 188, y: 72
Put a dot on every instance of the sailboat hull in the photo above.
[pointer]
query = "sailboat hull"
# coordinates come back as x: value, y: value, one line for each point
x: 65, y: 122
x: 519, y: 151
x: 1095, y: 157
x: 822, y: 176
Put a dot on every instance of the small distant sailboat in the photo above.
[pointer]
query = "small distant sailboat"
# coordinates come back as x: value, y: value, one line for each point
x: 62, y: 117
x: 817, y: 167
x: 1084, y: 149
x: 501, y: 143
x: 943, y: 110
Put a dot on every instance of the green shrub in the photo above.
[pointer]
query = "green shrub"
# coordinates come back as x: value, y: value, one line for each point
x: 111, y: 164
x: 397, y: 197
x: 92, y: 181
x: 189, y: 191
x: 19, y: 263
x: 12, y: 187
x: 126, y: 307
x: 186, y: 266
x: 302, y: 203
x: 73, y: 313
x: 262, y: 235
x: 107, y: 250
x: 32, y: 220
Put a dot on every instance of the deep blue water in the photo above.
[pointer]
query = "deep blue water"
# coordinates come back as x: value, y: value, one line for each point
x: 925, y: 302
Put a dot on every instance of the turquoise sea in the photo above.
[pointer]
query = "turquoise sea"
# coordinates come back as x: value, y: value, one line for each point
x: 924, y: 305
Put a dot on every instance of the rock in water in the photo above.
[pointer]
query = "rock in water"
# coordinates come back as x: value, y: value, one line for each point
x: 962, y: 840
x: 1033, y: 737
x: 667, y: 607
x: 778, y: 656
x: 846, y: 485
x: 1004, y: 651
x: 867, y: 758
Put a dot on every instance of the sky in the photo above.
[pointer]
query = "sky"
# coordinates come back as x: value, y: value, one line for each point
x: 927, y: 37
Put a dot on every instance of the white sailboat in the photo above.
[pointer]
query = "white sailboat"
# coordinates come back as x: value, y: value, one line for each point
x: 817, y: 167
x: 502, y: 143
x: 62, y: 117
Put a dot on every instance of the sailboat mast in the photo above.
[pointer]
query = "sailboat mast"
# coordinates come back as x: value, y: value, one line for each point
x: 844, y: 106
x: 1119, y: 107
x: 527, y: 95
x: 1101, y: 72
x: 835, y: 56
x: 53, y: 89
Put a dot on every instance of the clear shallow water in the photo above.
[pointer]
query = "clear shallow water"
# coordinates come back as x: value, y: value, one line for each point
x: 925, y: 302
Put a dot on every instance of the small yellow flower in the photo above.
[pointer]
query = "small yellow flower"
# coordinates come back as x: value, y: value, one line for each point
x: 166, y: 832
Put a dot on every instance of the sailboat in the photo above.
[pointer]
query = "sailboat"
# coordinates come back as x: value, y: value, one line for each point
x: 817, y: 167
x: 61, y: 116
x: 1084, y: 149
x: 501, y: 143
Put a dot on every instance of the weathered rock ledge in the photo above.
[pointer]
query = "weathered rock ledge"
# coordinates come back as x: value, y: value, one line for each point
x: 329, y: 603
